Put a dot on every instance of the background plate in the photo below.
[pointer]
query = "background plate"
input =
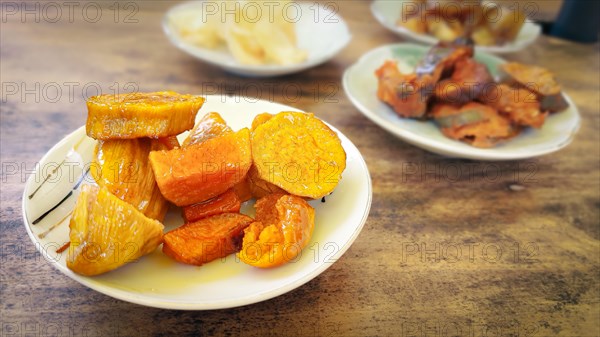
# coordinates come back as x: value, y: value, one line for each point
x: 320, y: 31
x: 360, y: 85
x: 388, y: 13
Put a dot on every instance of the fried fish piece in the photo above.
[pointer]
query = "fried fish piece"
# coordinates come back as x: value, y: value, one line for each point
x: 107, y: 232
x: 520, y: 105
x: 407, y: 94
x: 135, y: 115
x: 538, y: 80
x: 474, y: 123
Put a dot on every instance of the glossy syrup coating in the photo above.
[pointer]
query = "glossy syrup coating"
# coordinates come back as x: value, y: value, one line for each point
x: 210, y: 126
x: 283, y: 227
x: 474, y: 123
x: 107, y: 232
x: 134, y: 115
x: 122, y: 167
x: 227, y: 202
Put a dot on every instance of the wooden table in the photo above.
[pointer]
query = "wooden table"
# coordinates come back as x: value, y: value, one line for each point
x: 438, y: 256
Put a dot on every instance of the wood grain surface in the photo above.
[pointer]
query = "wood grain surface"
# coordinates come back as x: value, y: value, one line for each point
x: 440, y: 254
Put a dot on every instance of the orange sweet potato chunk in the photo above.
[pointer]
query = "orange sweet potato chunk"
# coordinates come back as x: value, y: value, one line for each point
x: 283, y: 227
x: 198, y: 172
x: 227, y: 202
x: 298, y: 153
x: 206, y: 240
x: 210, y: 126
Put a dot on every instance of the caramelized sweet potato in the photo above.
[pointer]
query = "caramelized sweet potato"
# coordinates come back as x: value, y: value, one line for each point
x: 136, y: 115
x: 206, y: 240
x: 259, y: 187
x: 198, y: 172
x: 242, y: 189
x: 210, y: 126
x: 170, y: 142
x: 440, y: 60
x: 298, y: 153
x: 283, y: 227
x: 122, y: 166
x: 260, y: 119
x: 107, y: 232
x: 227, y: 202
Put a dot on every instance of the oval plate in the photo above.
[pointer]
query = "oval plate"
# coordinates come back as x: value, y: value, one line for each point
x: 388, y: 12
x: 360, y: 85
x: 319, y: 30
x: 158, y: 281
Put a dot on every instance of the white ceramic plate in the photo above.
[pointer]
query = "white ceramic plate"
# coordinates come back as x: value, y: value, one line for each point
x: 360, y: 84
x: 158, y: 281
x: 319, y: 29
x: 388, y: 12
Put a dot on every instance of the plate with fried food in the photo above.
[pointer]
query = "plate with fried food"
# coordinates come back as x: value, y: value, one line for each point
x: 455, y: 101
x: 493, y: 27
x: 186, y: 202
x: 257, y: 38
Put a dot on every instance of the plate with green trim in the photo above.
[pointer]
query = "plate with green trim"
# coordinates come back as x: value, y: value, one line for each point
x: 360, y: 85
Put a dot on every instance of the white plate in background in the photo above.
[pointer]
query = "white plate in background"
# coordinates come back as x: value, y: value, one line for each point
x: 388, y: 13
x: 320, y: 31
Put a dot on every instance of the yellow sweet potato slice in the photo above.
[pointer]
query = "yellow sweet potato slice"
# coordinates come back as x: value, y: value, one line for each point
x: 136, y: 115
x: 258, y: 187
x: 298, y: 153
x: 198, y: 172
x: 122, y: 166
x: 107, y: 232
x: 210, y: 126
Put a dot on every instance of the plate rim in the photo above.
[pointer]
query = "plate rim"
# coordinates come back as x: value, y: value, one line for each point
x: 263, y: 70
x: 139, y: 299
x: 448, y: 149
x: 430, y: 40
